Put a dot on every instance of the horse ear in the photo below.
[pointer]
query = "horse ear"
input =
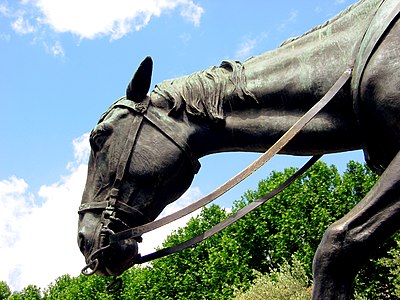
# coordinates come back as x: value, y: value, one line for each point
x: 140, y: 84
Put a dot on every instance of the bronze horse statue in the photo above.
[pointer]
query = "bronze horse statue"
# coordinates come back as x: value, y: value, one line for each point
x: 134, y: 173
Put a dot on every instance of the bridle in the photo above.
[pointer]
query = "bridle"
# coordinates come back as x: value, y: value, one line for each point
x: 112, y: 205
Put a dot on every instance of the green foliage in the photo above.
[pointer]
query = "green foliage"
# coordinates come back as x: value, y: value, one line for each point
x: 287, y: 283
x: 5, y: 291
x: 392, y: 263
x: 31, y: 292
x: 292, y: 224
x: 380, y: 278
x: 81, y: 287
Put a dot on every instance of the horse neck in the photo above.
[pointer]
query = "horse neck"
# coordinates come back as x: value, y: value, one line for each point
x: 275, y: 89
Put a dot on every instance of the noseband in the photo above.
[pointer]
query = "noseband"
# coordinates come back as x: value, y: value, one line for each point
x: 111, y: 205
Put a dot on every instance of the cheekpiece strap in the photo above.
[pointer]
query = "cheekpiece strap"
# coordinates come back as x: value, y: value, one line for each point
x: 139, y: 107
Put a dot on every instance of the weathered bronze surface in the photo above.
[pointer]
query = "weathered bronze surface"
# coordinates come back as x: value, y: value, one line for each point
x: 247, y: 107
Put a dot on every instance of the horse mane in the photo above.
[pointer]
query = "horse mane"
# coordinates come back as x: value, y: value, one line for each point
x: 327, y: 23
x: 203, y: 93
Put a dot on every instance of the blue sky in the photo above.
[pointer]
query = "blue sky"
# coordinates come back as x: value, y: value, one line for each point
x: 64, y: 62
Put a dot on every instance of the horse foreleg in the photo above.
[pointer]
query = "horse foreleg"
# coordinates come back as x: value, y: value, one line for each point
x: 349, y: 242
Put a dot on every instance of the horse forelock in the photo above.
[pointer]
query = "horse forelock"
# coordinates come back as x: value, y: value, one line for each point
x: 203, y: 94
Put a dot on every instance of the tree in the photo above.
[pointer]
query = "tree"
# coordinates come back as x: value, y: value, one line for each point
x: 292, y: 224
x: 81, y: 287
x: 5, y: 291
x: 31, y: 292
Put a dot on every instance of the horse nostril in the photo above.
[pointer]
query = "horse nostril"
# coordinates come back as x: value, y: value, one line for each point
x: 81, y: 241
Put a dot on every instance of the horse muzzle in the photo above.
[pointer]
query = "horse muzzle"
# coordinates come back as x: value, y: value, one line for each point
x: 111, y: 259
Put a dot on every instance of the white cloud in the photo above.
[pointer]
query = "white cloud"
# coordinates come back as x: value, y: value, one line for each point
x: 247, y: 46
x: 290, y: 20
x: 38, y: 241
x: 192, y: 13
x: 4, y: 10
x: 293, y: 16
x: 16, y: 203
x: 90, y: 19
x: 57, y: 49
x: 22, y: 26
x: 38, y: 231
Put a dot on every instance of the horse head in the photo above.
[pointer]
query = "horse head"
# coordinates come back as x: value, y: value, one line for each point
x: 135, y: 169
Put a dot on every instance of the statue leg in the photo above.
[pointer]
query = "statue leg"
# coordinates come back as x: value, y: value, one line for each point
x: 349, y: 242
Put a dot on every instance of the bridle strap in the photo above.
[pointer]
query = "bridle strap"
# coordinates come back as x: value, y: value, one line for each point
x: 175, y: 138
x: 127, y: 150
x: 105, y: 205
x: 111, y: 204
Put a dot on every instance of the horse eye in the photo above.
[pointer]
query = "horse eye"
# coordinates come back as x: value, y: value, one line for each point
x: 97, y: 142
x: 99, y: 136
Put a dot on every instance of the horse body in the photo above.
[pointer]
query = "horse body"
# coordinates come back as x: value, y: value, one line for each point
x: 247, y: 107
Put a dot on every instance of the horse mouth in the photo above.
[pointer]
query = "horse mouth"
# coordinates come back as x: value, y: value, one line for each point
x: 113, y: 259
